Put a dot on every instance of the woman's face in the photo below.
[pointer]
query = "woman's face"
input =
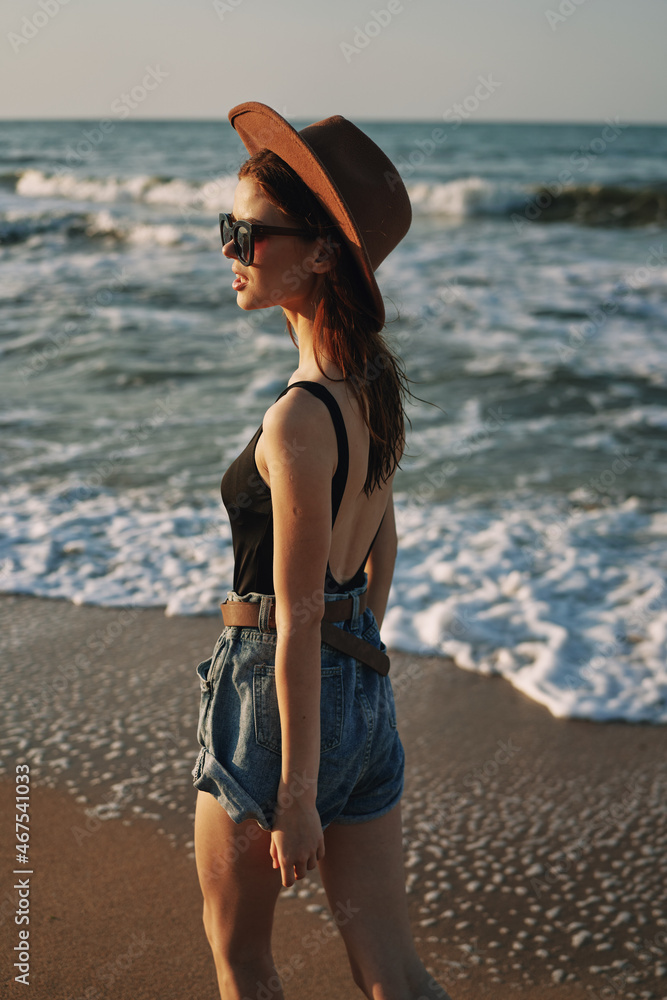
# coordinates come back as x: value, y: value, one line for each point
x: 282, y: 270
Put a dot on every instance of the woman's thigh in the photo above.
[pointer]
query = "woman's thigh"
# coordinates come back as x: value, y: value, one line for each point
x: 237, y: 878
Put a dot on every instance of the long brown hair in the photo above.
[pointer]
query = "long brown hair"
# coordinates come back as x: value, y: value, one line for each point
x: 345, y: 328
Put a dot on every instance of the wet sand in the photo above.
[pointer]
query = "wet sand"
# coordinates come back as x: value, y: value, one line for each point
x: 535, y: 847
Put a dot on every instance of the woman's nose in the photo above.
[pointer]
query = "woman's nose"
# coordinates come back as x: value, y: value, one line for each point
x: 229, y: 250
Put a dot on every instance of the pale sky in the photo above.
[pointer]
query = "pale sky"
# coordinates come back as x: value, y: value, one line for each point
x: 542, y: 60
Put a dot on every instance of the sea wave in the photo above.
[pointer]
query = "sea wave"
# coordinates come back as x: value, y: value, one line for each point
x: 19, y: 228
x: 144, y: 188
x: 592, y: 204
x: 585, y: 204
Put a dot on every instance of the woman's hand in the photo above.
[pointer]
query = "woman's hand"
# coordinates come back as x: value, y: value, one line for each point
x: 297, y: 840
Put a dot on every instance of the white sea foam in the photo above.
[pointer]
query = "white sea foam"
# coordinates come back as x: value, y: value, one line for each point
x: 541, y: 594
x: 140, y: 188
x: 37, y: 184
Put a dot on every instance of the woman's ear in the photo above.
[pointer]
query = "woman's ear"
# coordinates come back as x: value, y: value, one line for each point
x: 325, y: 256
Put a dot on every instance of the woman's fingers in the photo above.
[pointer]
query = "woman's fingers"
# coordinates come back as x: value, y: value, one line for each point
x: 287, y: 875
x: 291, y: 870
x: 295, y: 849
x: 300, y: 870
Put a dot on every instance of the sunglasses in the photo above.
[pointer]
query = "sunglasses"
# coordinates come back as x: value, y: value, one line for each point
x: 243, y: 235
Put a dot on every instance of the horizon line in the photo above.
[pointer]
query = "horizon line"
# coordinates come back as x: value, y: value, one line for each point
x: 375, y: 121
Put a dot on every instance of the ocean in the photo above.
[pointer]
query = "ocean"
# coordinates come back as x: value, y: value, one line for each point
x: 528, y: 302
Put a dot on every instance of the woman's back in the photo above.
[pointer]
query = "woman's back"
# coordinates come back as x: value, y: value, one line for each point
x: 359, y: 516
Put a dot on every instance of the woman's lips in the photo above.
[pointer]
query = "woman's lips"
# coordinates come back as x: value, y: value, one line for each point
x: 239, y: 282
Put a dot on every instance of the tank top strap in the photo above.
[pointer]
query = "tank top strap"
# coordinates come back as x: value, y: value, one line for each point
x: 339, y: 480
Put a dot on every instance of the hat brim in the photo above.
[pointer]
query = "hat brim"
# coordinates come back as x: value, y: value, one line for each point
x: 260, y: 127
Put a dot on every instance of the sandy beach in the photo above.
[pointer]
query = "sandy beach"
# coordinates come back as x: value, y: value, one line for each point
x: 535, y: 847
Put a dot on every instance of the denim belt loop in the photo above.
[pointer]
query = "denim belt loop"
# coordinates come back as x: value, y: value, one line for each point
x: 355, y: 616
x: 264, y: 612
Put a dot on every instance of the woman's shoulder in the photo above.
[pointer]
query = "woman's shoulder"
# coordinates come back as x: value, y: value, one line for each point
x: 306, y: 396
x: 298, y: 399
x: 298, y: 423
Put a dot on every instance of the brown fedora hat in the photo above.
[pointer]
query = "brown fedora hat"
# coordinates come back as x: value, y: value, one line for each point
x: 352, y: 178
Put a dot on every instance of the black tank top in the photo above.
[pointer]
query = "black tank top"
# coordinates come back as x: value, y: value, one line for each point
x: 248, y: 501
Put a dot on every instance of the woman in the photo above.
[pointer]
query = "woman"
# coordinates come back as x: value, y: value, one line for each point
x: 298, y: 731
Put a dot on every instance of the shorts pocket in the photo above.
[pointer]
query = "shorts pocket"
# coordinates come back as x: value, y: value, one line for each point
x: 207, y: 671
x: 268, y: 733
x: 203, y: 672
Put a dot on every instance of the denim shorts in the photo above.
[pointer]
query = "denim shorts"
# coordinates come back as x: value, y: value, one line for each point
x: 361, y: 755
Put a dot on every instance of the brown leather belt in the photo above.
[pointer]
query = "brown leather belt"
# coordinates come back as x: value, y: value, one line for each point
x: 246, y: 614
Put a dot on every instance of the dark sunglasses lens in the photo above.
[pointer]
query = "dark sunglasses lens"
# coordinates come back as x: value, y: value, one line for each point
x: 243, y: 243
x: 241, y: 234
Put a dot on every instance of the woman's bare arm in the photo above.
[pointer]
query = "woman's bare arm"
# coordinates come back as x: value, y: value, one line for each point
x: 300, y: 451
x: 381, y: 561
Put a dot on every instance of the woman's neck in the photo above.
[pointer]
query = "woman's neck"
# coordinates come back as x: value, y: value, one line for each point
x: 308, y: 369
